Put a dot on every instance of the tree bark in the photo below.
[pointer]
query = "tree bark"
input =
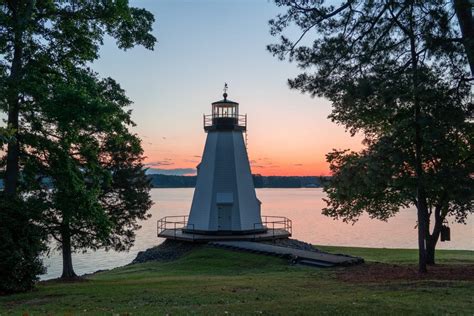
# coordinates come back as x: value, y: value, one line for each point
x: 463, y: 10
x: 431, y: 246
x: 21, y: 16
x: 13, y: 150
x: 432, y: 240
x: 68, y: 270
x: 422, y: 207
x: 422, y: 256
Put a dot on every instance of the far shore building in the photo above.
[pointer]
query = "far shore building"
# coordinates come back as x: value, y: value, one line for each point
x: 225, y: 205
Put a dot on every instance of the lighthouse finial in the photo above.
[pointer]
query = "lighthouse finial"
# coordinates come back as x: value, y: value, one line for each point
x: 225, y: 90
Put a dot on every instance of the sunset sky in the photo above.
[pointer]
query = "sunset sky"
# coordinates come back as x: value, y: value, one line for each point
x: 201, y: 45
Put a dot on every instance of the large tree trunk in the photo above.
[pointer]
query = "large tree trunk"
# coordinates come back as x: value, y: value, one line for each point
x: 13, y: 91
x: 421, y: 205
x: 463, y: 10
x: 431, y: 248
x: 422, y: 256
x: 432, y: 240
x: 68, y: 270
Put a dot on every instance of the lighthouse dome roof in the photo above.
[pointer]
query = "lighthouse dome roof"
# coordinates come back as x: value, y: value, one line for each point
x: 225, y: 101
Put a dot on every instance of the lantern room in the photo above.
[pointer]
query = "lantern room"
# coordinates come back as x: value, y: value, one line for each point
x: 225, y: 108
x: 225, y: 116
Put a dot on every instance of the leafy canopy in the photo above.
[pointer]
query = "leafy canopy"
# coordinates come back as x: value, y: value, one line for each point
x: 397, y: 73
x: 67, y: 129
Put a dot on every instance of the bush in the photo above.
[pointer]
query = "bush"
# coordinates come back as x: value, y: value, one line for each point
x: 21, y: 243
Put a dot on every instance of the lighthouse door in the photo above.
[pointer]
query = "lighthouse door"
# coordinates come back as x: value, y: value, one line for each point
x: 224, y: 217
x: 224, y: 203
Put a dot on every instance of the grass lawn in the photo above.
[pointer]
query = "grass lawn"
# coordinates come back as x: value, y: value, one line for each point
x: 217, y: 281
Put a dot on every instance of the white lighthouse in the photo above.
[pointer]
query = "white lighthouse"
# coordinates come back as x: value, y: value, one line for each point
x: 224, y: 204
x: 224, y: 200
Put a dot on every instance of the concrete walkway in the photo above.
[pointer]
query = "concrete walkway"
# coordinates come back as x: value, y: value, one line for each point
x: 313, y: 258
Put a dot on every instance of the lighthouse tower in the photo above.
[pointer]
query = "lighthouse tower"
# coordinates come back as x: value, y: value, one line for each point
x: 224, y: 201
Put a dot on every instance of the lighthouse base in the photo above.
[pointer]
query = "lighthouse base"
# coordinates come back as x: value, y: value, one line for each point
x: 224, y: 232
x: 272, y: 227
x: 180, y: 234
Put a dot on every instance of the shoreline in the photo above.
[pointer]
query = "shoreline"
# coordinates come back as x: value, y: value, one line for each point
x: 171, y: 253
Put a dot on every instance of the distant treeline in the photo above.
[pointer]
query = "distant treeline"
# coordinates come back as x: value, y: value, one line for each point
x: 166, y: 181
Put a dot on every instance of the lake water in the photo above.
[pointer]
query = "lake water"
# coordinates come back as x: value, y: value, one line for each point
x: 302, y: 206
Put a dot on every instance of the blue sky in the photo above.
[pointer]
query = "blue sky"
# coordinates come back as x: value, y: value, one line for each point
x: 201, y: 45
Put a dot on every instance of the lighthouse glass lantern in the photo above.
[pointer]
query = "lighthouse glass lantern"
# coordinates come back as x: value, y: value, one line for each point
x: 224, y: 201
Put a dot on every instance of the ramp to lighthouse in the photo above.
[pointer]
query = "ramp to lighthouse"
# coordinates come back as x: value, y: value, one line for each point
x: 299, y: 256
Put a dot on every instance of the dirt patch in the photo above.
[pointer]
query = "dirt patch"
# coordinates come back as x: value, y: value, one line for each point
x: 45, y: 299
x: 380, y: 272
x: 77, y: 279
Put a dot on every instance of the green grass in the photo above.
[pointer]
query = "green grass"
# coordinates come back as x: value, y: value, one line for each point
x: 215, y: 281
x: 403, y: 256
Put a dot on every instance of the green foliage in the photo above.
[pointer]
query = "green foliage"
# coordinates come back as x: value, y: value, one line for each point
x: 79, y: 132
x: 396, y: 72
x: 67, y: 137
x: 21, y: 242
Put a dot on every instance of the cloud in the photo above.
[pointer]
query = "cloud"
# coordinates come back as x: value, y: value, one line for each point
x: 197, y: 156
x: 262, y: 163
x: 298, y: 164
x: 164, y: 162
x: 172, y: 172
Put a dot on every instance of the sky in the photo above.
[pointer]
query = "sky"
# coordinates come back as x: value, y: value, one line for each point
x: 201, y: 45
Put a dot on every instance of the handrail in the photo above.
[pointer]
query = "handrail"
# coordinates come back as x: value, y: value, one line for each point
x: 164, y: 224
x: 241, y: 119
x: 280, y: 222
x: 270, y: 222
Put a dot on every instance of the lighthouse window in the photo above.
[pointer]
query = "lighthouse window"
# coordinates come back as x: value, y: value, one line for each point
x: 224, y: 111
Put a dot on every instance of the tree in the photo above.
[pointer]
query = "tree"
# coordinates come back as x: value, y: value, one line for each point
x: 463, y: 9
x: 397, y: 73
x: 78, y: 137
x: 42, y: 37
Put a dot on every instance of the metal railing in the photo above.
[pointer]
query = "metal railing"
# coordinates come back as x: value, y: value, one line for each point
x: 173, y: 223
x: 241, y: 120
x: 274, y: 223
x: 177, y: 223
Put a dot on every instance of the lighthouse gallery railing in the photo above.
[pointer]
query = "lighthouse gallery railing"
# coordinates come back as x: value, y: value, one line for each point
x: 176, y: 223
x: 241, y: 119
x: 274, y: 223
x: 173, y: 223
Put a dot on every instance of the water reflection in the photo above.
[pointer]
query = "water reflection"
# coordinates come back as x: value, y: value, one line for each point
x: 302, y: 206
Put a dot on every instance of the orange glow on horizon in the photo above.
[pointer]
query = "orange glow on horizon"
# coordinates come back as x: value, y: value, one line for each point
x: 281, y: 143
x: 262, y: 166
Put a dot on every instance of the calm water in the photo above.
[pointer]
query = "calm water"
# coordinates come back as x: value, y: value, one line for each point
x: 302, y: 206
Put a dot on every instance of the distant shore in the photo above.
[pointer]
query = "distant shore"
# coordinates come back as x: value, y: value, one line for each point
x: 170, y: 181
